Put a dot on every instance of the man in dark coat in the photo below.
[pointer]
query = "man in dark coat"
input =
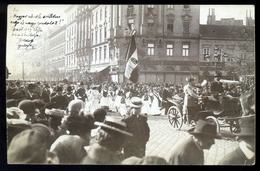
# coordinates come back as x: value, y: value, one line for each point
x: 190, y: 152
x: 59, y: 99
x: 166, y: 94
x: 81, y: 92
x: 244, y: 154
x: 31, y: 95
x: 46, y: 94
x: 216, y: 86
x: 138, y: 126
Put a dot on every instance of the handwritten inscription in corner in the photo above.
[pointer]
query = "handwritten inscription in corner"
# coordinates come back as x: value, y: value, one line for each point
x: 26, y: 28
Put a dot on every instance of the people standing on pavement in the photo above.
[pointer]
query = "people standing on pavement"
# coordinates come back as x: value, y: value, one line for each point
x: 104, y: 101
x: 190, y: 152
x: 155, y: 110
x: 31, y: 93
x: 138, y: 126
x: 94, y: 98
x: 216, y: 86
x: 190, y: 107
x: 146, y: 100
x: 244, y: 154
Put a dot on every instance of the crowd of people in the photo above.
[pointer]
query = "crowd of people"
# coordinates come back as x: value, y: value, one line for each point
x: 67, y: 123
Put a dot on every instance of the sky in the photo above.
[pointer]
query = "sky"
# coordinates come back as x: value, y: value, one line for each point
x: 226, y: 11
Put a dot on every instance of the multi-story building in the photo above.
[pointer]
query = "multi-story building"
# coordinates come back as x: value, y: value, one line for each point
x: 71, y: 61
x: 55, y: 54
x: 226, y: 48
x: 168, y: 51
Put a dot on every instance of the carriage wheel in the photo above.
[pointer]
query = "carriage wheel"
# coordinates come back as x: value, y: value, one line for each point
x: 234, y: 126
x: 175, y: 117
x: 213, y: 120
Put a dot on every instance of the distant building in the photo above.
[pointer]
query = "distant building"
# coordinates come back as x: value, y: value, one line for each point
x: 222, y: 46
x: 223, y: 21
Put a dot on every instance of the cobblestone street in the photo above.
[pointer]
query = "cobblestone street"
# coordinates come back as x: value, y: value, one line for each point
x: 163, y: 138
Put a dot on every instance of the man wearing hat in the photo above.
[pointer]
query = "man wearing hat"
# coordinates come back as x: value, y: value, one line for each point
x: 58, y: 99
x: 31, y: 94
x: 190, y: 106
x: 244, y: 154
x: 216, y: 86
x: 46, y: 93
x: 28, y: 107
x: 69, y: 96
x: 81, y: 92
x: 109, y: 140
x: 190, y: 152
x: 138, y: 126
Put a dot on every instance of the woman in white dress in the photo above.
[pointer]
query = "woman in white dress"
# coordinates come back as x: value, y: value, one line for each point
x: 123, y: 108
x: 117, y: 102
x: 104, y: 101
x: 146, y: 108
x: 94, y: 99
x: 155, y: 110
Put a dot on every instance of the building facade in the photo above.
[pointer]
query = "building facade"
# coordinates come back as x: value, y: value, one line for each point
x: 168, y: 51
x: 227, y: 48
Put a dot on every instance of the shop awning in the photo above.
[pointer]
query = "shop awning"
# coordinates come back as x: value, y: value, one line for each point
x: 99, y: 69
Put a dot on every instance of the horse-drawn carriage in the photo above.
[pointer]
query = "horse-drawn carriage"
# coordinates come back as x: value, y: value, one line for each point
x: 224, y: 112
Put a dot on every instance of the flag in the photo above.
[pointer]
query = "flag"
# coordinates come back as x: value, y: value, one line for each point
x: 131, y: 69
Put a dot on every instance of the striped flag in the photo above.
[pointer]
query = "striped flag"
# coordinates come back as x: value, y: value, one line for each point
x: 131, y: 69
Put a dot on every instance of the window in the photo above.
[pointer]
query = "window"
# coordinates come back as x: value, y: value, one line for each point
x: 105, y: 32
x: 170, y: 25
x: 217, y: 53
x: 105, y: 52
x: 100, y: 15
x: 186, y: 26
x: 150, y: 48
x: 185, y: 50
x: 170, y: 6
x: 150, y: 23
x: 96, y: 36
x: 100, y: 35
x: 100, y: 54
x: 96, y: 17
x: 169, y: 50
x: 206, y: 54
x: 105, y: 12
x: 96, y: 55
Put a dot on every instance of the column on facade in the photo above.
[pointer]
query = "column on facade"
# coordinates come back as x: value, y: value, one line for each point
x: 160, y: 19
x: 143, y: 27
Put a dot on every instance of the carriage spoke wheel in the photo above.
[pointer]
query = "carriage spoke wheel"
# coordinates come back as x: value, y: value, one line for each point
x: 234, y: 126
x: 175, y: 117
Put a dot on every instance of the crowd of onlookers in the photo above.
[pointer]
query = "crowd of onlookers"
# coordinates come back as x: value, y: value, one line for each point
x: 68, y: 123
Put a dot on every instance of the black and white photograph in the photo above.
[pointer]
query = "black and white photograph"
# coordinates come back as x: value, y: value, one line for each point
x: 130, y: 84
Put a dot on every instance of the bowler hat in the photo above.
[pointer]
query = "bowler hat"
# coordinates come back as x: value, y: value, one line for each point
x: 247, y: 126
x: 205, y: 128
x: 27, y: 106
x: 136, y: 102
x: 113, y: 125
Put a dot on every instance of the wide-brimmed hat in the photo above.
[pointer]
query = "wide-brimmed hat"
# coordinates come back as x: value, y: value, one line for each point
x: 136, y: 102
x: 114, y: 125
x: 205, y: 128
x: 247, y: 126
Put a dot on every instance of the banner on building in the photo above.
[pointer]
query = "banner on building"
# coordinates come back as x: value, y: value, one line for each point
x: 131, y: 69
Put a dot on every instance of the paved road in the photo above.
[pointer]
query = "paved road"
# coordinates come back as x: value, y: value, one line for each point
x: 163, y: 138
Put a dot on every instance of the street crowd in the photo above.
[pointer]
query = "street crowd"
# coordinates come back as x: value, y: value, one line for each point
x: 68, y: 123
